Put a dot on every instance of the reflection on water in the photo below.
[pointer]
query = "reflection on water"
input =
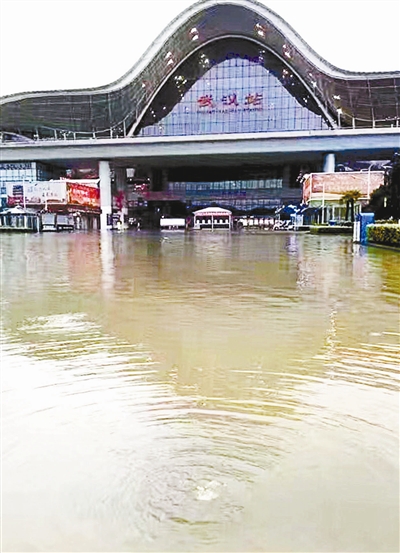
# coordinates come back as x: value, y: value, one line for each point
x: 202, y: 392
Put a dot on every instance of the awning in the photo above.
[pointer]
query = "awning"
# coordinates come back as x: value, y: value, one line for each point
x: 213, y: 212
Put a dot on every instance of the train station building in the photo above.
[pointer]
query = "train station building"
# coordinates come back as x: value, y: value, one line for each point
x: 228, y: 106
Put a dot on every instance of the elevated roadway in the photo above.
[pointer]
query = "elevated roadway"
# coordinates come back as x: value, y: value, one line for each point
x: 213, y: 150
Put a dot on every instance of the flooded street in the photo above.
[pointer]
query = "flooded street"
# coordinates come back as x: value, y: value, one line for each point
x: 199, y: 392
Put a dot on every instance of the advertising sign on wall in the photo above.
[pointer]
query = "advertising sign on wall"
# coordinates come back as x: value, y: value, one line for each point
x: 333, y: 185
x: 83, y: 194
x: 82, y: 173
x: 36, y: 193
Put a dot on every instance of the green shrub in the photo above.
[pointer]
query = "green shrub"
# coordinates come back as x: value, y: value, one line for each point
x: 387, y: 222
x: 335, y: 229
x: 387, y: 234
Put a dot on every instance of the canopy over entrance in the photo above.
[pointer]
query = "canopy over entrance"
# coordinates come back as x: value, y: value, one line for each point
x: 17, y: 210
x: 212, y: 218
x: 212, y: 211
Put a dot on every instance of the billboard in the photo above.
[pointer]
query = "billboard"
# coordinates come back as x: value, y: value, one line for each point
x: 82, y: 193
x: 82, y: 173
x: 332, y: 186
x: 36, y: 193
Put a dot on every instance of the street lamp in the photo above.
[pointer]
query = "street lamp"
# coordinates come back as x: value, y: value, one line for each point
x: 23, y: 191
x: 339, y: 113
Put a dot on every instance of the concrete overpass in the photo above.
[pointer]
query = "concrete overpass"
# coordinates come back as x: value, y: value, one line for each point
x: 325, y: 148
x: 213, y: 150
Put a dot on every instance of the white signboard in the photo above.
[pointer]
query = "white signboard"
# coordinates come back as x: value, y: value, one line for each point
x: 39, y: 192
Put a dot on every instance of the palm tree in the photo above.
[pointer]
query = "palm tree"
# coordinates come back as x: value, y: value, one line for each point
x: 350, y: 197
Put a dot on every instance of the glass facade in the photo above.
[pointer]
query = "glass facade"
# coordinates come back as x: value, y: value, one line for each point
x: 266, y: 191
x: 237, y: 95
x: 30, y: 171
x: 232, y: 186
x: 240, y: 194
x: 242, y: 205
x: 365, y: 100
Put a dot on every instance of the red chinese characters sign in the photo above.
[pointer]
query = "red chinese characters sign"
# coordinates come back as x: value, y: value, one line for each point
x: 205, y: 101
x: 230, y: 102
x: 81, y: 194
x: 253, y: 99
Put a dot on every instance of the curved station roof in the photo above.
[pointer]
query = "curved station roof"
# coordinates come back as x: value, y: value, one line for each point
x: 206, y: 33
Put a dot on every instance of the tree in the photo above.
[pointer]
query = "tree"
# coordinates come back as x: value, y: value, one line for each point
x: 351, y: 197
x: 392, y: 182
x: 378, y: 203
x: 385, y: 200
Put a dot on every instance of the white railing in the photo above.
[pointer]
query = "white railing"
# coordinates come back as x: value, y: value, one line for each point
x: 112, y: 135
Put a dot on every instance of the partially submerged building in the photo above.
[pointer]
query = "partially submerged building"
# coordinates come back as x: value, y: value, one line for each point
x: 229, y: 105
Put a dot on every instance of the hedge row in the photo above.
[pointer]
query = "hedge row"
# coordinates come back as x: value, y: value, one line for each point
x: 334, y: 229
x: 387, y: 222
x: 387, y: 234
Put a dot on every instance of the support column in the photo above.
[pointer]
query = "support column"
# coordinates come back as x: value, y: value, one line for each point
x: 156, y: 180
x: 107, y: 262
x: 329, y: 163
x: 329, y: 167
x: 164, y: 179
x: 105, y: 194
x: 120, y: 181
x: 286, y: 176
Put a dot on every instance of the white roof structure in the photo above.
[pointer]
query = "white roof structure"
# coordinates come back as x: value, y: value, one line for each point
x: 213, y: 212
x: 16, y: 210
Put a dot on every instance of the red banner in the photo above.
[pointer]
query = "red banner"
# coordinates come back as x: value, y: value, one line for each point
x: 81, y: 194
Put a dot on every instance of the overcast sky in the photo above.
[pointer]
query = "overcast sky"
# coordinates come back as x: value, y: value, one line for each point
x: 54, y: 44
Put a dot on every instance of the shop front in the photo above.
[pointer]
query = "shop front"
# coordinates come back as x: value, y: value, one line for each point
x: 64, y: 204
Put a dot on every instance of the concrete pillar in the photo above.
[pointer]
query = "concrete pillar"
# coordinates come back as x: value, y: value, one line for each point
x: 107, y: 261
x: 120, y: 181
x: 329, y: 163
x: 286, y: 176
x: 156, y: 180
x: 164, y: 179
x: 105, y: 194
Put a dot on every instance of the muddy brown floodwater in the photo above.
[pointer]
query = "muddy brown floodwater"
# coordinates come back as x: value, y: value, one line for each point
x: 199, y: 392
